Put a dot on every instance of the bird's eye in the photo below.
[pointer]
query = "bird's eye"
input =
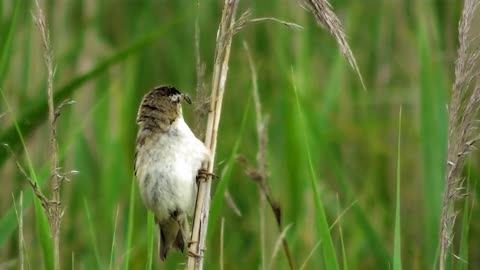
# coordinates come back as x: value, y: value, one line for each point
x: 175, y: 98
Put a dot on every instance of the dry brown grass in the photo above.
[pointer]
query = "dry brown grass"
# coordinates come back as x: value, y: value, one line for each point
x: 322, y: 11
x: 53, y: 210
x: 227, y: 28
x: 220, y: 71
x: 51, y: 205
x: 201, y: 94
x: 462, y: 114
x: 259, y: 174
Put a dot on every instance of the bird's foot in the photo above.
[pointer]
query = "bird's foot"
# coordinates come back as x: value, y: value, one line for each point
x: 191, y: 242
x: 203, y: 175
x: 193, y: 254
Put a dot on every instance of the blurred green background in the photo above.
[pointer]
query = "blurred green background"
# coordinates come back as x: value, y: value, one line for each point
x: 109, y: 53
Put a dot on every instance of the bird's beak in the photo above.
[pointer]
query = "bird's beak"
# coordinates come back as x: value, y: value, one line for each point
x: 186, y: 98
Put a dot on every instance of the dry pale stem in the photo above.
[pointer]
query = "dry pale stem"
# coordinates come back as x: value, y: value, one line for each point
x: 201, y: 97
x: 280, y: 241
x: 260, y: 174
x: 53, y: 210
x: 220, y: 70
x: 462, y: 112
x: 21, y: 241
x: 245, y: 20
x: 262, y: 141
x: 231, y: 203
x: 321, y: 10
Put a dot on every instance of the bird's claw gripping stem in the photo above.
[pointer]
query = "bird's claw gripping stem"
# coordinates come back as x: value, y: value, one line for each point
x: 203, y: 174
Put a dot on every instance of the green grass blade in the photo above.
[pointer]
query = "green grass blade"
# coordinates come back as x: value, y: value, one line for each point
x: 131, y: 219
x: 38, y: 113
x: 329, y: 101
x: 19, y: 214
x: 93, y: 237
x: 8, y: 220
x: 433, y: 132
x: 150, y: 240
x: 382, y: 256
x: 329, y: 253
x: 397, y: 247
x: 342, y: 243
x: 218, y: 197
x: 27, y: 54
x: 462, y: 262
x: 344, y: 253
x: 112, y: 249
x: 43, y: 229
x: 6, y: 52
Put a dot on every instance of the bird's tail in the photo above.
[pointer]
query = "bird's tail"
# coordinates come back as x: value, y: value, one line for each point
x: 173, y: 234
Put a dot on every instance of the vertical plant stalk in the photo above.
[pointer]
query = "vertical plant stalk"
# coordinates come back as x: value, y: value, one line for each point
x: 260, y: 174
x: 397, y: 245
x: 201, y: 96
x: 261, y: 155
x: 220, y: 70
x: 222, y: 230
x: 462, y: 113
x: 53, y: 210
x: 21, y: 239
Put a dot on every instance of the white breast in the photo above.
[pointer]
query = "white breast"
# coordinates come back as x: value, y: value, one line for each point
x: 167, y: 167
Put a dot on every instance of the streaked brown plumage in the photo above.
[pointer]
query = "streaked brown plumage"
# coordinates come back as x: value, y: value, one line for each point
x: 167, y: 159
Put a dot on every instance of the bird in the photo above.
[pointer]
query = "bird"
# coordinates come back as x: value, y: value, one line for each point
x: 168, y: 162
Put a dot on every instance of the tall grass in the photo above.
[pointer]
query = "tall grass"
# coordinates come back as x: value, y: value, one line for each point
x: 433, y: 131
x: 329, y: 252
x: 330, y: 139
x: 397, y: 248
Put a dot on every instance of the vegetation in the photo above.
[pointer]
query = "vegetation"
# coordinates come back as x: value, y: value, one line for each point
x: 358, y: 176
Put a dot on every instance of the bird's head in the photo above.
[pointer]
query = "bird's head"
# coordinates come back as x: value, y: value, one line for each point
x: 161, y: 107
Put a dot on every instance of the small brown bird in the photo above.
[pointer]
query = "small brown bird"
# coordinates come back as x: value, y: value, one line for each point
x: 168, y: 158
